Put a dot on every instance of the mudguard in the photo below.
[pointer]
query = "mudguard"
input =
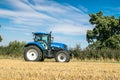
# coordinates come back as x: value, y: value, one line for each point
x: 36, y: 44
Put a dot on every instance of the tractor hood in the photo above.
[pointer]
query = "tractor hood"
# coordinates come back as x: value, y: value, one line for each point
x: 59, y: 45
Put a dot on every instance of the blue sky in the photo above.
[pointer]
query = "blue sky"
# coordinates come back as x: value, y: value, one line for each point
x: 67, y: 19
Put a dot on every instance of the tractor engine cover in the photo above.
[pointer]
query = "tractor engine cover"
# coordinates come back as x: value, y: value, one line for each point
x: 59, y: 45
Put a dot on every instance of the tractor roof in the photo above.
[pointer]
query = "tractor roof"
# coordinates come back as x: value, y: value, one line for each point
x: 41, y: 33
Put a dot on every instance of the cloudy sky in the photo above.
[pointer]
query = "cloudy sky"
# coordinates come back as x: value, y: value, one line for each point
x: 67, y: 19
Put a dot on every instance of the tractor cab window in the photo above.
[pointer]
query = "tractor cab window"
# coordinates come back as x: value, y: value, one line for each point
x: 43, y: 39
x: 37, y: 38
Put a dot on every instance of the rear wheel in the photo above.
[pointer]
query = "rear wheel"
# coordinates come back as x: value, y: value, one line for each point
x: 62, y: 56
x: 33, y: 53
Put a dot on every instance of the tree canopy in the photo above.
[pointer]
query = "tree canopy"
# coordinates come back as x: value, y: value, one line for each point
x: 0, y: 38
x: 106, y: 31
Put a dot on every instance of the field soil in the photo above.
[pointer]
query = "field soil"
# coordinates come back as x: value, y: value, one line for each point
x: 21, y: 70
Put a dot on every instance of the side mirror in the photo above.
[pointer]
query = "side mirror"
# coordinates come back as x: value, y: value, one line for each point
x: 52, y: 39
x: 50, y: 32
x: 32, y: 32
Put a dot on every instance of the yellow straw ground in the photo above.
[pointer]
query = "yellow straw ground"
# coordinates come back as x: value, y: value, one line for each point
x: 21, y: 70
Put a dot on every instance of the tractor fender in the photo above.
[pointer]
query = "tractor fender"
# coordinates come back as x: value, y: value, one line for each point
x: 36, y: 44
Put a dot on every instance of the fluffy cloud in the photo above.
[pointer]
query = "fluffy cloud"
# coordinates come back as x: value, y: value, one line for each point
x: 44, y: 12
x: 70, y: 29
x: 45, y: 15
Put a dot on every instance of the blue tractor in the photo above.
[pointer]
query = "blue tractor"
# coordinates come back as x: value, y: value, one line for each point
x: 43, y: 47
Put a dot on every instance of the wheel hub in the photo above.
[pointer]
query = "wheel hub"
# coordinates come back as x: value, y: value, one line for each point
x: 32, y: 54
x: 62, y: 57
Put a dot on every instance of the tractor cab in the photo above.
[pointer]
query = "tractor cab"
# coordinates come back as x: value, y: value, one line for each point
x: 43, y: 38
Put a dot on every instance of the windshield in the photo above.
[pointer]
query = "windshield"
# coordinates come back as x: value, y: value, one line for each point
x: 45, y: 38
x: 41, y: 38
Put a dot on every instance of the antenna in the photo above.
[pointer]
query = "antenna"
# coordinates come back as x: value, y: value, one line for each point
x: 50, y: 32
x: 32, y: 32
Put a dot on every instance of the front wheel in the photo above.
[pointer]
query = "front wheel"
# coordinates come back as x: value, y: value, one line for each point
x: 33, y: 53
x: 62, y: 56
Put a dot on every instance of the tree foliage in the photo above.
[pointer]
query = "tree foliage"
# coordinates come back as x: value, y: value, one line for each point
x: 95, y: 54
x: 76, y: 51
x: 106, y: 31
x: 14, y: 49
x: 0, y: 38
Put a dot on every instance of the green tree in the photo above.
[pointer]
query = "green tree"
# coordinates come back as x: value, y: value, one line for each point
x: 0, y: 36
x: 106, y: 31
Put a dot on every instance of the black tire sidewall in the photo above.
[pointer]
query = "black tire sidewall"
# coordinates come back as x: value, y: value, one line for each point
x: 39, y: 57
x: 65, y: 52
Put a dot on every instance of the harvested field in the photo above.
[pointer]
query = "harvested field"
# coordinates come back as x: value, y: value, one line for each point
x: 21, y: 70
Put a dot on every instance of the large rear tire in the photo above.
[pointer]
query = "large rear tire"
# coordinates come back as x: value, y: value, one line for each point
x: 62, y: 56
x: 33, y: 53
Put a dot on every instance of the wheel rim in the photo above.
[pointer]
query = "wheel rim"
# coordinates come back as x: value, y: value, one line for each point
x: 32, y: 54
x: 62, y: 57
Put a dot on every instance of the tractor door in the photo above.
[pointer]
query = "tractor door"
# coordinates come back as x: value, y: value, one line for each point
x: 42, y: 39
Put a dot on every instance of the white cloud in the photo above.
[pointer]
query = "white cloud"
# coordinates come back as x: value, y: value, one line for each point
x: 45, y: 15
x: 83, y: 8
x: 55, y: 16
x: 70, y: 29
x: 49, y: 9
x: 22, y: 14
